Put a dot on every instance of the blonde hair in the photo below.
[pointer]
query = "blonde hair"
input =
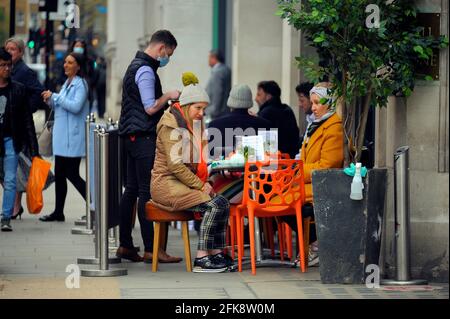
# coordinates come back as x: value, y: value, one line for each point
x: 326, y: 85
x: 18, y: 42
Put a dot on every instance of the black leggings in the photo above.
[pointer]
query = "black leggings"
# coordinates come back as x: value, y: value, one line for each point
x: 67, y: 168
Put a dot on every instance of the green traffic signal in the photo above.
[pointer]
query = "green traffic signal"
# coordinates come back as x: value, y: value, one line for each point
x: 31, y: 44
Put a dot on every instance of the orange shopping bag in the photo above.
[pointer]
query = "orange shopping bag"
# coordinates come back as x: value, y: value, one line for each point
x: 36, y: 183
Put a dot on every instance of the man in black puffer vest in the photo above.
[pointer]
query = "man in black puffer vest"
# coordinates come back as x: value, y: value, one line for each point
x: 143, y: 104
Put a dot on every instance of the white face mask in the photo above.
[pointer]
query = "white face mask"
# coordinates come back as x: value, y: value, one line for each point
x: 78, y: 50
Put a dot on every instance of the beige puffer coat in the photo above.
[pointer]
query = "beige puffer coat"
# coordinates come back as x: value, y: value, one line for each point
x: 174, y: 184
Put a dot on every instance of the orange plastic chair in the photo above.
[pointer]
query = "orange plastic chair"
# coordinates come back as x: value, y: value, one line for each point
x: 307, y: 223
x: 231, y: 229
x: 271, y: 190
x: 268, y: 231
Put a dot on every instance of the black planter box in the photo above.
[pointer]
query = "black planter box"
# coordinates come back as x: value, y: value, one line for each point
x: 349, y: 232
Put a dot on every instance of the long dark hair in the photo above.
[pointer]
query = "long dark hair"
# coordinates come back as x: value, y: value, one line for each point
x: 83, y: 43
x: 81, y: 61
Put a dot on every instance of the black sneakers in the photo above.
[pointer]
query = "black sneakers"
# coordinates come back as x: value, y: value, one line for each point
x: 225, y: 259
x: 209, y: 264
x: 214, y: 264
x: 6, y: 225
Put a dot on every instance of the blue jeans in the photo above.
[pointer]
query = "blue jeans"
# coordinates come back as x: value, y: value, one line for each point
x: 10, y: 163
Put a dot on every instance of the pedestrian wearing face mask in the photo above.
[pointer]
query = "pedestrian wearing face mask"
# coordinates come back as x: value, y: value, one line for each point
x: 143, y: 104
x: 80, y: 46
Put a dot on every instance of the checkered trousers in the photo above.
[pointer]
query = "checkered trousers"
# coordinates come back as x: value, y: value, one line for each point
x: 214, y: 224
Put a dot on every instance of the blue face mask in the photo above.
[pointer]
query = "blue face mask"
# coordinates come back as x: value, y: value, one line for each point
x: 163, y: 61
x: 78, y: 50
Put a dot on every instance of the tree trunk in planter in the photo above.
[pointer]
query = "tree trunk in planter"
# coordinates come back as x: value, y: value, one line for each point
x: 349, y: 232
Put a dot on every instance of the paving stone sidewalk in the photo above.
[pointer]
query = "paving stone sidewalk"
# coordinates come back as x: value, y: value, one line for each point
x: 34, y: 258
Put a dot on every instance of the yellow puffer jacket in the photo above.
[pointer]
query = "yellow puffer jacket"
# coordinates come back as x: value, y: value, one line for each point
x: 325, y: 150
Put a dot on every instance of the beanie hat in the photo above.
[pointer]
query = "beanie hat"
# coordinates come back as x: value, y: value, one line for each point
x: 193, y: 94
x: 240, y: 97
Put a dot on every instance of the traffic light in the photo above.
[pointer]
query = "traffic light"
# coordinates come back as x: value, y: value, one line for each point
x: 41, y: 38
x: 32, y: 39
x: 48, y: 5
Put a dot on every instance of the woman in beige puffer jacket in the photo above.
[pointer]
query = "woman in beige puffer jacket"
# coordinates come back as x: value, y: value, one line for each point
x: 180, y: 175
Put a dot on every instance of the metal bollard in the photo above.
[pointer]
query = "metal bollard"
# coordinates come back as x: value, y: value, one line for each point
x: 89, y: 224
x: 88, y: 221
x: 120, y: 184
x: 114, y: 232
x: 402, y: 222
x: 83, y: 221
x: 99, y: 191
x: 101, y: 144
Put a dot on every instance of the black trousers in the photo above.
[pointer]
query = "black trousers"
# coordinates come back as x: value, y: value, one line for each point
x: 101, y: 100
x: 307, y: 211
x: 140, y: 155
x: 67, y: 168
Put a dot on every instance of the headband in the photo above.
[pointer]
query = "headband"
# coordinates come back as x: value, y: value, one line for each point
x: 323, y: 93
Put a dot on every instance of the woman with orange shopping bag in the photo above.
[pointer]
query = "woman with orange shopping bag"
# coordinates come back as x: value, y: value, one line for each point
x: 36, y: 183
x: 16, y: 131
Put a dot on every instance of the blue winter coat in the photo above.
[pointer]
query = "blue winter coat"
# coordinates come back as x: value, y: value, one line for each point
x: 71, y: 107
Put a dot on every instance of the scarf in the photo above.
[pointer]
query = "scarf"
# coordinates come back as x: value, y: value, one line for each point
x: 183, y: 120
x: 312, y: 128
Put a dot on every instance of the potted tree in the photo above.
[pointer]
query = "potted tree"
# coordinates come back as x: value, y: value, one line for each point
x: 368, y: 51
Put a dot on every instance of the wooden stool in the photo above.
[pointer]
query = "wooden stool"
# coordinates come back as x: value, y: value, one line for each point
x: 163, y: 218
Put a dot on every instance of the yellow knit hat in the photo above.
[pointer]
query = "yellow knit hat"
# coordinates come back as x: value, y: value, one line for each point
x: 189, y: 78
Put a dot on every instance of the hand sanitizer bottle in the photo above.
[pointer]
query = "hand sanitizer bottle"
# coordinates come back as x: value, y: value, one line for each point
x: 357, y: 184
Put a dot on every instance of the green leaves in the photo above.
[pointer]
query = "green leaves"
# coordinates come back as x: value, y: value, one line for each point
x: 311, y: 68
x: 280, y: 12
x: 362, y: 61
x: 443, y: 42
x: 383, y: 59
x: 319, y: 39
x: 418, y: 49
x: 324, y: 101
x: 407, y: 92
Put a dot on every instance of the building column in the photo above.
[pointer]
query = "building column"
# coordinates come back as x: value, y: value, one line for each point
x: 257, y: 55
x: 122, y: 44
x: 420, y: 122
x: 290, y: 72
x: 191, y: 24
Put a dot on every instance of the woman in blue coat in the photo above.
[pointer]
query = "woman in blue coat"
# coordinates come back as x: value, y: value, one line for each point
x: 71, y: 107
